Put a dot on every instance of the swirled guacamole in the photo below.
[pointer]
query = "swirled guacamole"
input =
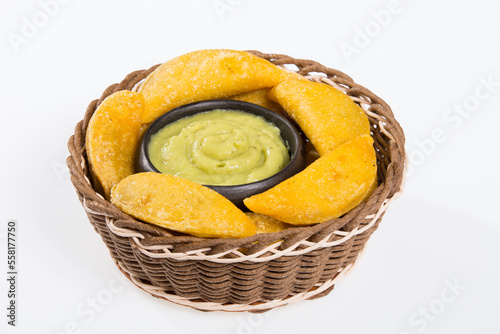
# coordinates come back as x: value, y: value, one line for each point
x: 219, y: 147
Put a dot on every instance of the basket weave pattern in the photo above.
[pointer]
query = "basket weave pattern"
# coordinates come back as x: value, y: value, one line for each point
x: 259, y: 272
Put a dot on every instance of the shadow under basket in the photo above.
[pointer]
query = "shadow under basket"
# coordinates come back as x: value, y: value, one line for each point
x: 256, y: 273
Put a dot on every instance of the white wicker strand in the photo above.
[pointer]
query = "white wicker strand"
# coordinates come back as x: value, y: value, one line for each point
x: 211, y: 306
x: 122, y: 232
x: 260, y: 256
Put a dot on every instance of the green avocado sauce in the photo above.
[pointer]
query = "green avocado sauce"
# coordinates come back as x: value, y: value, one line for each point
x: 219, y: 147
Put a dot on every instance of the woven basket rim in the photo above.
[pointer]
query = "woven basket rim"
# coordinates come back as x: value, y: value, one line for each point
x: 156, y: 242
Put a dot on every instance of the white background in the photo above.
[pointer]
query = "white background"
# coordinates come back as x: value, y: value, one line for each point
x: 426, y: 59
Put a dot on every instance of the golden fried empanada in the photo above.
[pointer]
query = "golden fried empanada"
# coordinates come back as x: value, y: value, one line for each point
x: 180, y: 205
x: 266, y: 224
x: 259, y: 97
x: 329, y: 187
x: 112, y: 137
x: 327, y: 116
x: 204, y: 75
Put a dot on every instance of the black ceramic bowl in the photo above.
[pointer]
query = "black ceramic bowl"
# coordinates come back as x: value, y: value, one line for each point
x: 236, y: 193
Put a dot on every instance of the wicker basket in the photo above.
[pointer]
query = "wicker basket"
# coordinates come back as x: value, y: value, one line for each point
x: 259, y: 272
